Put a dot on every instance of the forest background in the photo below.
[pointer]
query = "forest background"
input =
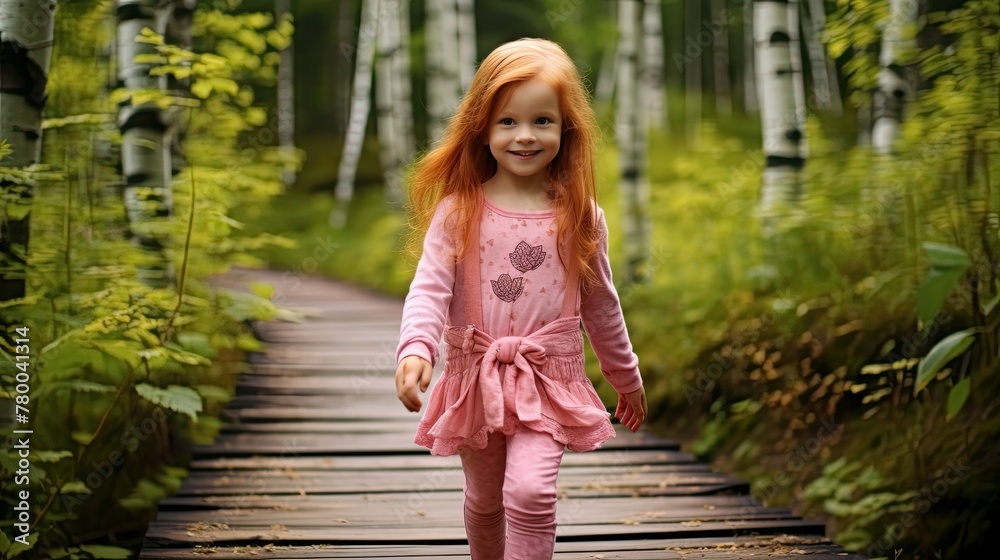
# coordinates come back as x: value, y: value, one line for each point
x: 804, y: 227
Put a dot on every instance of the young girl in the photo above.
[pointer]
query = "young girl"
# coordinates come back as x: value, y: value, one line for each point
x: 513, y: 237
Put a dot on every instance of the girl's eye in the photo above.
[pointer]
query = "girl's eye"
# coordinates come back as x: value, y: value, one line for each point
x: 546, y: 119
x: 507, y: 121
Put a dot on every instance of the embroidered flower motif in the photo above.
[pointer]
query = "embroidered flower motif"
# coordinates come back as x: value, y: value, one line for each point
x: 525, y: 257
x: 506, y: 288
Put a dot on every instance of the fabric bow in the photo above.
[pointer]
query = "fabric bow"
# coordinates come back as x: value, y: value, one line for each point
x: 514, y: 366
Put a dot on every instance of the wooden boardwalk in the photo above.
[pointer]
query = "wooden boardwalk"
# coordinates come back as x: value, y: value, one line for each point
x: 316, y: 460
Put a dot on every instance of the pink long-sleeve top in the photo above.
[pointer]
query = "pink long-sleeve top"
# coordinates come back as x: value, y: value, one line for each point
x: 522, y: 287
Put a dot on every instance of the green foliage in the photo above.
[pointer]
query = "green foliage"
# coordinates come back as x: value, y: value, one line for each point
x: 126, y: 378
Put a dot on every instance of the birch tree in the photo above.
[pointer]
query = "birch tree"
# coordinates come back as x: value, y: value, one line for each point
x: 286, y: 94
x: 652, y: 66
x: 782, y: 134
x: 145, y: 150
x: 390, y: 107
x: 466, y: 43
x: 27, y: 30
x: 824, y: 76
x: 360, y: 106
x: 631, y: 136
x: 893, y: 89
x: 443, y: 81
x: 798, y: 83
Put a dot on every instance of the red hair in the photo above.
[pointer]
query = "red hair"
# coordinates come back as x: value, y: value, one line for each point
x: 460, y: 162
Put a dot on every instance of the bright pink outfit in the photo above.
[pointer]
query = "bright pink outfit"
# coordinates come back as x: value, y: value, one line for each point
x: 514, y: 392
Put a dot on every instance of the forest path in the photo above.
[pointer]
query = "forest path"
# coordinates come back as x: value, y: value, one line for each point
x: 316, y: 459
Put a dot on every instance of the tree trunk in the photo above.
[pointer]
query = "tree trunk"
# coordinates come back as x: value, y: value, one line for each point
x: 782, y: 135
x: 27, y: 30
x: 750, y: 103
x: 798, y: 78
x: 720, y: 59
x: 893, y: 88
x: 342, y: 69
x: 652, y: 66
x: 825, y: 86
x: 146, y: 151
x: 360, y: 106
x: 443, y: 87
x: 631, y: 135
x: 286, y: 95
x: 692, y: 71
x: 466, y: 43
x: 387, y: 106
x: 404, y: 89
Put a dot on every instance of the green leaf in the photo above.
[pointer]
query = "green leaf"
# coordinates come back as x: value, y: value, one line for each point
x: 75, y: 385
x: 262, y: 289
x: 174, y: 397
x: 943, y: 352
x: 948, y: 264
x: 10, y: 548
x: 46, y: 456
x: 957, y: 397
x: 75, y: 487
x: 82, y: 437
x: 946, y: 256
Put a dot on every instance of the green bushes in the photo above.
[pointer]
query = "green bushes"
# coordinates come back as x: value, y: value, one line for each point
x: 124, y: 378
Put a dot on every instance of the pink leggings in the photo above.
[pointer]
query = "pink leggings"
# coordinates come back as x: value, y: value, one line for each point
x: 513, y: 479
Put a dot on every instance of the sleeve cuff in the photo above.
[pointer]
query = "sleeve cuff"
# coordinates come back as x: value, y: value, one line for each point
x: 418, y: 349
x: 624, y: 381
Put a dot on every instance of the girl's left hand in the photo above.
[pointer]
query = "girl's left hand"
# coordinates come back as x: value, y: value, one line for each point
x: 631, y: 409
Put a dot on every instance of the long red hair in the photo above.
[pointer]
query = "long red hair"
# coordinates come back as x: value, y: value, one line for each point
x: 460, y: 162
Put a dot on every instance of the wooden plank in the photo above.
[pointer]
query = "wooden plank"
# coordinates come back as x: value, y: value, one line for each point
x: 815, y: 547
x: 600, y: 457
x: 313, y: 482
x: 257, y: 444
x: 332, y: 531
x: 316, y: 460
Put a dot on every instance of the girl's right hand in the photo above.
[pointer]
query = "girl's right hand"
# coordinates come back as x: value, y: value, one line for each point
x: 412, y: 369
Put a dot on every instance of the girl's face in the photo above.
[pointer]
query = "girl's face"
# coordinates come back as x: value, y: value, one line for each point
x: 525, y: 134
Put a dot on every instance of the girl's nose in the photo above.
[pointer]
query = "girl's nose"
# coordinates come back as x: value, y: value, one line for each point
x: 525, y: 136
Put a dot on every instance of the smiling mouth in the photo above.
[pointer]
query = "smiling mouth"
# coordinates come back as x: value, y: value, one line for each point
x: 526, y: 154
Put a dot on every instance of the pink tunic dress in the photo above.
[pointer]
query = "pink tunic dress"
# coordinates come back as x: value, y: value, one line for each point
x: 514, y: 345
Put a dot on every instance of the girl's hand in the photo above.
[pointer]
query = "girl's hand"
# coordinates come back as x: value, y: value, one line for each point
x: 412, y: 369
x: 631, y: 409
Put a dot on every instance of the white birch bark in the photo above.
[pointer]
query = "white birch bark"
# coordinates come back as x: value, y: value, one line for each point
x: 798, y: 81
x: 146, y: 152
x: 824, y: 75
x: 30, y: 27
x: 781, y: 181
x: 404, y: 89
x: 441, y: 35
x: 466, y: 43
x: 893, y: 90
x: 631, y: 136
x: 720, y: 60
x: 652, y: 66
x: 360, y: 106
x: 605, y: 88
x: 387, y: 108
x: 286, y: 95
